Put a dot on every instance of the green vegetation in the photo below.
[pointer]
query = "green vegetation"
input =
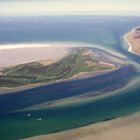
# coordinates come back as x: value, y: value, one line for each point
x: 79, y: 60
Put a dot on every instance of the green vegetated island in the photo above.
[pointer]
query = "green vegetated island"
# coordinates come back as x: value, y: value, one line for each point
x: 76, y: 61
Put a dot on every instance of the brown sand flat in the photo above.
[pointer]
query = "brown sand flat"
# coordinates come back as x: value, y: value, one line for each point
x: 123, y: 128
x: 11, y: 57
x: 134, y: 39
x: 44, y: 55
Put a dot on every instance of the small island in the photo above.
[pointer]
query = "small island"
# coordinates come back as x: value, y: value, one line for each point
x: 75, y: 63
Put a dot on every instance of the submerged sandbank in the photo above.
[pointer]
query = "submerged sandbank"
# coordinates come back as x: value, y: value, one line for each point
x: 123, y: 128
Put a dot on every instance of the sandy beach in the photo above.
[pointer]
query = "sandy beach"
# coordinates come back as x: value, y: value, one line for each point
x: 11, y: 55
x: 132, y: 40
x: 123, y: 128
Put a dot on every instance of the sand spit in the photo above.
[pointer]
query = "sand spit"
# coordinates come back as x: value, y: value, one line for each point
x: 11, y: 56
x: 123, y: 128
x: 132, y: 40
x: 15, y: 54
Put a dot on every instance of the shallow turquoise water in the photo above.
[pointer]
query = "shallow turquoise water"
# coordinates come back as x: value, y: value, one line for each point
x: 68, y: 117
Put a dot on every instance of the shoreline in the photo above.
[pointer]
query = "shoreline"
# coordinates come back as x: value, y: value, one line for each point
x: 122, y: 128
x: 52, y: 50
x: 12, y: 55
x: 78, y: 76
x: 58, y: 45
x: 128, y: 44
x: 46, y: 44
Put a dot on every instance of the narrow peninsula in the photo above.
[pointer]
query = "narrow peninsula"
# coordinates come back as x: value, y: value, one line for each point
x: 133, y: 41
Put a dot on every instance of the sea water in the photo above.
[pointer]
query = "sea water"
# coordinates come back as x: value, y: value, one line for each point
x: 105, y: 31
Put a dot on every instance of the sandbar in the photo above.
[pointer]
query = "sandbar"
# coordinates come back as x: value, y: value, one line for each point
x: 132, y: 40
x: 123, y: 128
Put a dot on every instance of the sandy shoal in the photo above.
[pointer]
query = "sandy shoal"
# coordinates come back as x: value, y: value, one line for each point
x: 123, y: 128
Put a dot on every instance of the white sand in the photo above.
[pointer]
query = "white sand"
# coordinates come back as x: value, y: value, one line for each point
x: 38, y: 45
x: 123, y: 128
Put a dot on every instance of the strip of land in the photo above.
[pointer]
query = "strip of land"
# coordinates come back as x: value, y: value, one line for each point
x: 46, y: 65
x: 21, y: 55
x: 78, y: 76
x: 133, y: 41
x: 123, y: 128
